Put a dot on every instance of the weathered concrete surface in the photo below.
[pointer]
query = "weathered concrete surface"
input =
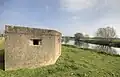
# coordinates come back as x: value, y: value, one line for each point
x: 20, y: 53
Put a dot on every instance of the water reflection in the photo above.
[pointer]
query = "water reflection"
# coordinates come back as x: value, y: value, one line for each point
x: 107, y: 49
x: 112, y: 50
x: 84, y: 45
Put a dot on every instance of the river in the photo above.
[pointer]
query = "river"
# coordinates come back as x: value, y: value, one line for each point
x: 92, y: 46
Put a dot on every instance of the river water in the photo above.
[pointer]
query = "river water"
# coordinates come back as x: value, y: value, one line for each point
x: 92, y: 46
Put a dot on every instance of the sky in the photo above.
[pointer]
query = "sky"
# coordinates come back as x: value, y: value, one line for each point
x: 66, y: 16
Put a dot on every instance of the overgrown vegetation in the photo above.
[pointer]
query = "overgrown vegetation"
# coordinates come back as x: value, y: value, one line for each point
x: 74, y: 62
x: 2, y: 59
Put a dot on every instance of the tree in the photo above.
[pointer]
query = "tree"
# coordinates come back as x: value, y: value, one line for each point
x: 86, y: 45
x: 78, y: 36
x: 62, y: 40
x: 66, y: 40
x: 1, y: 35
x: 107, y: 33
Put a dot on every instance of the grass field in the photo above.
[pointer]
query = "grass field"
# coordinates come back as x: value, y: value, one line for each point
x: 74, y: 62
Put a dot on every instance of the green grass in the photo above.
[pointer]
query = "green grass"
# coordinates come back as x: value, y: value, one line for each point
x: 2, y: 40
x: 74, y: 62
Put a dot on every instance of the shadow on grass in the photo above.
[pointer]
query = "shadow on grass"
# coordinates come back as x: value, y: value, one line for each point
x: 2, y: 62
x: 67, y: 45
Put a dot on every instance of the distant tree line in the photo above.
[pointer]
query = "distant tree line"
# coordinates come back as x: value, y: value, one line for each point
x: 107, y: 34
x: 104, y: 37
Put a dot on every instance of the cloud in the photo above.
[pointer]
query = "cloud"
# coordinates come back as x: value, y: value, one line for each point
x: 90, y: 28
x: 77, y: 5
x: 89, y: 15
x: 107, y: 21
x: 91, y: 8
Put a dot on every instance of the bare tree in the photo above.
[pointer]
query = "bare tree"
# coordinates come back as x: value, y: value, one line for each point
x: 108, y: 33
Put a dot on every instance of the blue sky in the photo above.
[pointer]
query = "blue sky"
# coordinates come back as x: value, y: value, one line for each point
x: 66, y: 16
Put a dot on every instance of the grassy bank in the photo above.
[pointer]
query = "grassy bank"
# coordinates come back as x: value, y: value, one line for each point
x: 74, y: 62
x: 2, y: 41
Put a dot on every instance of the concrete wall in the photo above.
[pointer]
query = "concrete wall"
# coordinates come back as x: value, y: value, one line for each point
x: 20, y: 53
x: 57, y: 46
